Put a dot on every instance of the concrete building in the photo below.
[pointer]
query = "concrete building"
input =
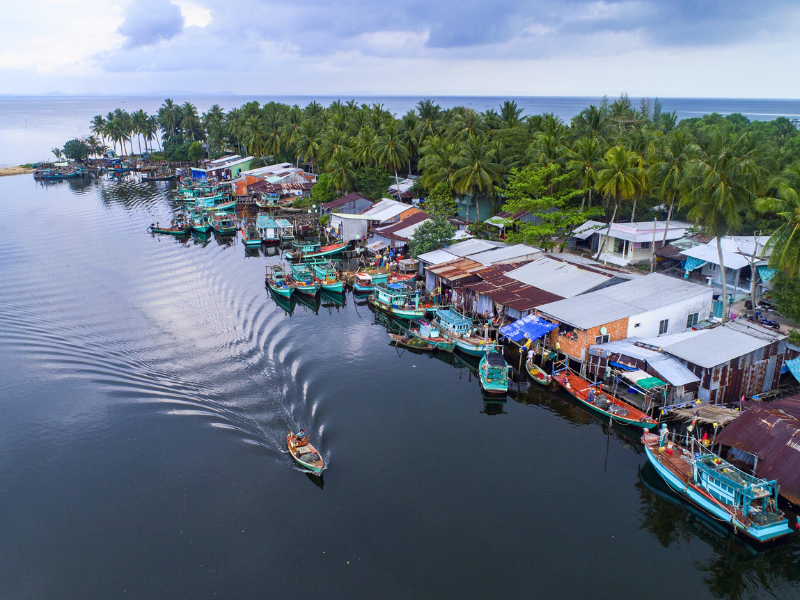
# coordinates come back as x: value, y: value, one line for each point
x: 647, y: 306
x: 737, y: 254
x: 627, y: 243
x: 350, y: 204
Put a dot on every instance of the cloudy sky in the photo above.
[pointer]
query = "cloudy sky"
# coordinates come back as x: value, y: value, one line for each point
x: 690, y: 48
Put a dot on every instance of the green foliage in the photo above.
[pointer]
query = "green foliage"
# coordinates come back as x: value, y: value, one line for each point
x: 545, y: 193
x: 304, y: 202
x: 324, y: 190
x: 324, y: 220
x: 480, y: 230
x: 372, y: 182
x: 431, y: 235
x: 441, y: 201
x: 176, y: 150
x: 77, y: 150
x: 785, y: 293
x: 196, y: 151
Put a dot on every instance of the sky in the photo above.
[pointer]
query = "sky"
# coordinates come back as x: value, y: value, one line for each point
x: 676, y: 48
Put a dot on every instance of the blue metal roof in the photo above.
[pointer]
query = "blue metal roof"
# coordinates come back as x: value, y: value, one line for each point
x: 265, y: 222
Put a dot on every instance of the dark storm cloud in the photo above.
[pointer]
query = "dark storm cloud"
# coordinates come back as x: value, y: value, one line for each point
x: 150, y: 21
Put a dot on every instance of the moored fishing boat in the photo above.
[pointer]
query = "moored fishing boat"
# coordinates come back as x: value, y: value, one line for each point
x: 55, y: 174
x: 599, y: 403
x: 199, y: 221
x: 178, y: 227
x: 462, y: 330
x: 537, y: 374
x: 366, y: 282
x: 267, y: 229
x: 224, y: 225
x: 328, y: 251
x: 328, y: 276
x: 285, y: 230
x: 250, y: 235
x: 304, y: 453
x: 430, y: 334
x: 400, y: 301
x: 276, y: 281
x: 303, y: 281
x: 493, y: 372
x: 746, y: 503
x: 411, y: 342
x: 159, y: 176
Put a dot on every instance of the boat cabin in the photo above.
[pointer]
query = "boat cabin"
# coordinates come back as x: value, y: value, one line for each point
x: 306, y: 245
x: 454, y: 322
x: 427, y: 329
x: 395, y: 295
x: 285, y: 230
x: 267, y: 229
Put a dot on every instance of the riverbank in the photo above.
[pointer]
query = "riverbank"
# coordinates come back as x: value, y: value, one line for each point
x: 7, y: 171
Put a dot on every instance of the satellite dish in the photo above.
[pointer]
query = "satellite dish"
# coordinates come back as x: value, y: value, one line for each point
x: 603, y: 331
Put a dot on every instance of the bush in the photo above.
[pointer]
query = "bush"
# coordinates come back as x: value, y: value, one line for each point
x: 324, y: 220
x: 196, y: 151
x: 323, y: 191
x: 77, y: 150
x: 372, y: 183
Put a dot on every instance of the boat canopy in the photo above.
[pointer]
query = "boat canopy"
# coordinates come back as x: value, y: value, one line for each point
x: 265, y: 222
x: 495, y: 359
x: 531, y: 327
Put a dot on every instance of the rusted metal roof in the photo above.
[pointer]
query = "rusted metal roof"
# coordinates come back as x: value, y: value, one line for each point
x: 770, y: 430
x: 456, y: 269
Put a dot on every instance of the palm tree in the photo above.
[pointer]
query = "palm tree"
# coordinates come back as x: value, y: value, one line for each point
x: 510, y: 113
x: 668, y: 170
x: 366, y: 146
x: 720, y: 185
x: 58, y: 153
x: 98, y: 127
x: 785, y: 241
x: 139, y: 124
x: 152, y: 130
x: 429, y: 113
x: 620, y: 179
x: 587, y: 158
x: 437, y: 162
x: 478, y: 171
x: 341, y: 170
x: 308, y: 142
x: 392, y: 151
x: 190, y: 121
x: 168, y: 116
x: 253, y: 136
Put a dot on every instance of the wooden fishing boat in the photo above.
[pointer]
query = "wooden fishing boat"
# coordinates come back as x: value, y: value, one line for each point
x: 199, y: 221
x: 599, y: 403
x: 54, y: 175
x: 179, y: 227
x: 268, y: 230
x: 303, y: 281
x: 250, y: 235
x: 224, y: 225
x: 304, y: 453
x: 493, y: 372
x: 159, y: 177
x: 366, y: 282
x: 328, y: 276
x: 746, y: 503
x: 411, y: 342
x: 328, y: 251
x: 430, y: 334
x: 400, y: 301
x: 276, y: 281
x: 537, y: 374
x: 461, y: 328
x: 224, y: 206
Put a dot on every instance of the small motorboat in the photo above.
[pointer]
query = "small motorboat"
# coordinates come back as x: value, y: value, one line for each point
x: 537, y: 373
x: 304, y: 453
x: 410, y: 342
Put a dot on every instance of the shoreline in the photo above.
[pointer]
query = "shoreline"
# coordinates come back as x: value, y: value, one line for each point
x: 8, y: 171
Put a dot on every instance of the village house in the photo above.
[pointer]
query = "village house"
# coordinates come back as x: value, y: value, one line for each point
x: 228, y: 167
x: 737, y: 254
x: 646, y: 306
x: 350, y: 204
x: 358, y: 226
x: 626, y: 243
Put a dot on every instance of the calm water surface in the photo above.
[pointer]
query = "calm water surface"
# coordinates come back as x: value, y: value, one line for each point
x: 146, y: 386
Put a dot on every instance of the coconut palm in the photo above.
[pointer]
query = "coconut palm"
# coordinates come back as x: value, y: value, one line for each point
x: 152, y: 130
x: 437, y: 162
x: 392, y: 151
x: 190, y: 121
x: 58, y: 153
x: 308, y: 142
x: 139, y: 125
x: 342, y: 171
x: 620, y: 179
x: 785, y: 241
x: 365, y: 148
x: 720, y: 190
x: 98, y: 127
x: 477, y: 170
x: 253, y: 135
x: 586, y: 157
x: 668, y: 169
x: 429, y: 113
x: 510, y: 114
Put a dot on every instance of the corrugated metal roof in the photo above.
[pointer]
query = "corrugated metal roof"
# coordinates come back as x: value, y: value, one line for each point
x: 343, y: 200
x: 672, y: 371
x: 623, y: 300
x: 669, y: 369
x: 507, y: 254
x: 437, y: 257
x: 770, y: 430
x: 557, y: 277
x: 719, y: 345
x: 732, y: 260
x: 473, y: 247
x: 456, y: 269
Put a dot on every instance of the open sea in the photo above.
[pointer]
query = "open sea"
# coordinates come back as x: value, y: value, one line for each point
x: 30, y: 126
x: 146, y: 388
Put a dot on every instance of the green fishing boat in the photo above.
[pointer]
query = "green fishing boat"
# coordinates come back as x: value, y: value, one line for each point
x: 303, y: 280
x: 328, y: 276
x: 178, y: 227
x: 493, y: 372
x: 276, y: 281
x: 399, y: 300
x: 224, y: 225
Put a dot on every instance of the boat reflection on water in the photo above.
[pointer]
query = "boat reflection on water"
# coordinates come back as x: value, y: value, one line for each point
x: 201, y: 238
x: 287, y: 304
x: 333, y: 299
x: 311, y: 302
x: 252, y: 252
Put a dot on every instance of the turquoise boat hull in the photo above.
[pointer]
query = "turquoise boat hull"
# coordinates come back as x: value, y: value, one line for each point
x: 337, y: 287
x: 762, y: 534
x: 363, y: 289
x: 284, y: 291
x: 252, y: 243
x: 472, y: 349
x: 308, y: 290
x: 403, y: 313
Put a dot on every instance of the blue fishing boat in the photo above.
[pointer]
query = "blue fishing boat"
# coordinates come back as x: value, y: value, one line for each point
x: 328, y: 276
x: 224, y: 225
x: 276, y: 281
x: 179, y: 227
x: 399, y: 300
x: 746, y: 503
x: 462, y: 330
x: 493, y: 372
x: 199, y: 220
x: 366, y: 282
x: 268, y: 230
x: 431, y: 334
x: 303, y: 280
x: 329, y: 251
x: 250, y: 236
x: 55, y: 174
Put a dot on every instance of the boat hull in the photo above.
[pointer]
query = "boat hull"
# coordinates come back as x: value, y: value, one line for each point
x: 308, y: 290
x: 284, y: 291
x: 471, y: 349
x: 297, y: 456
x: 403, y: 313
x: 252, y: 243
x: 176, y: 233
x: 538, y: 375
x: 336, y: 286
x: 691, y: 493
x: 363, y: 289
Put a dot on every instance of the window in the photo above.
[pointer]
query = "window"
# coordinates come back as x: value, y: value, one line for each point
x: 663, y: 326
x: 645, y: 246
x: 711, y: 267
x: 619, y: 246
x: 637, y: 325
x: 691, y: 320
x: 601, y: 339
